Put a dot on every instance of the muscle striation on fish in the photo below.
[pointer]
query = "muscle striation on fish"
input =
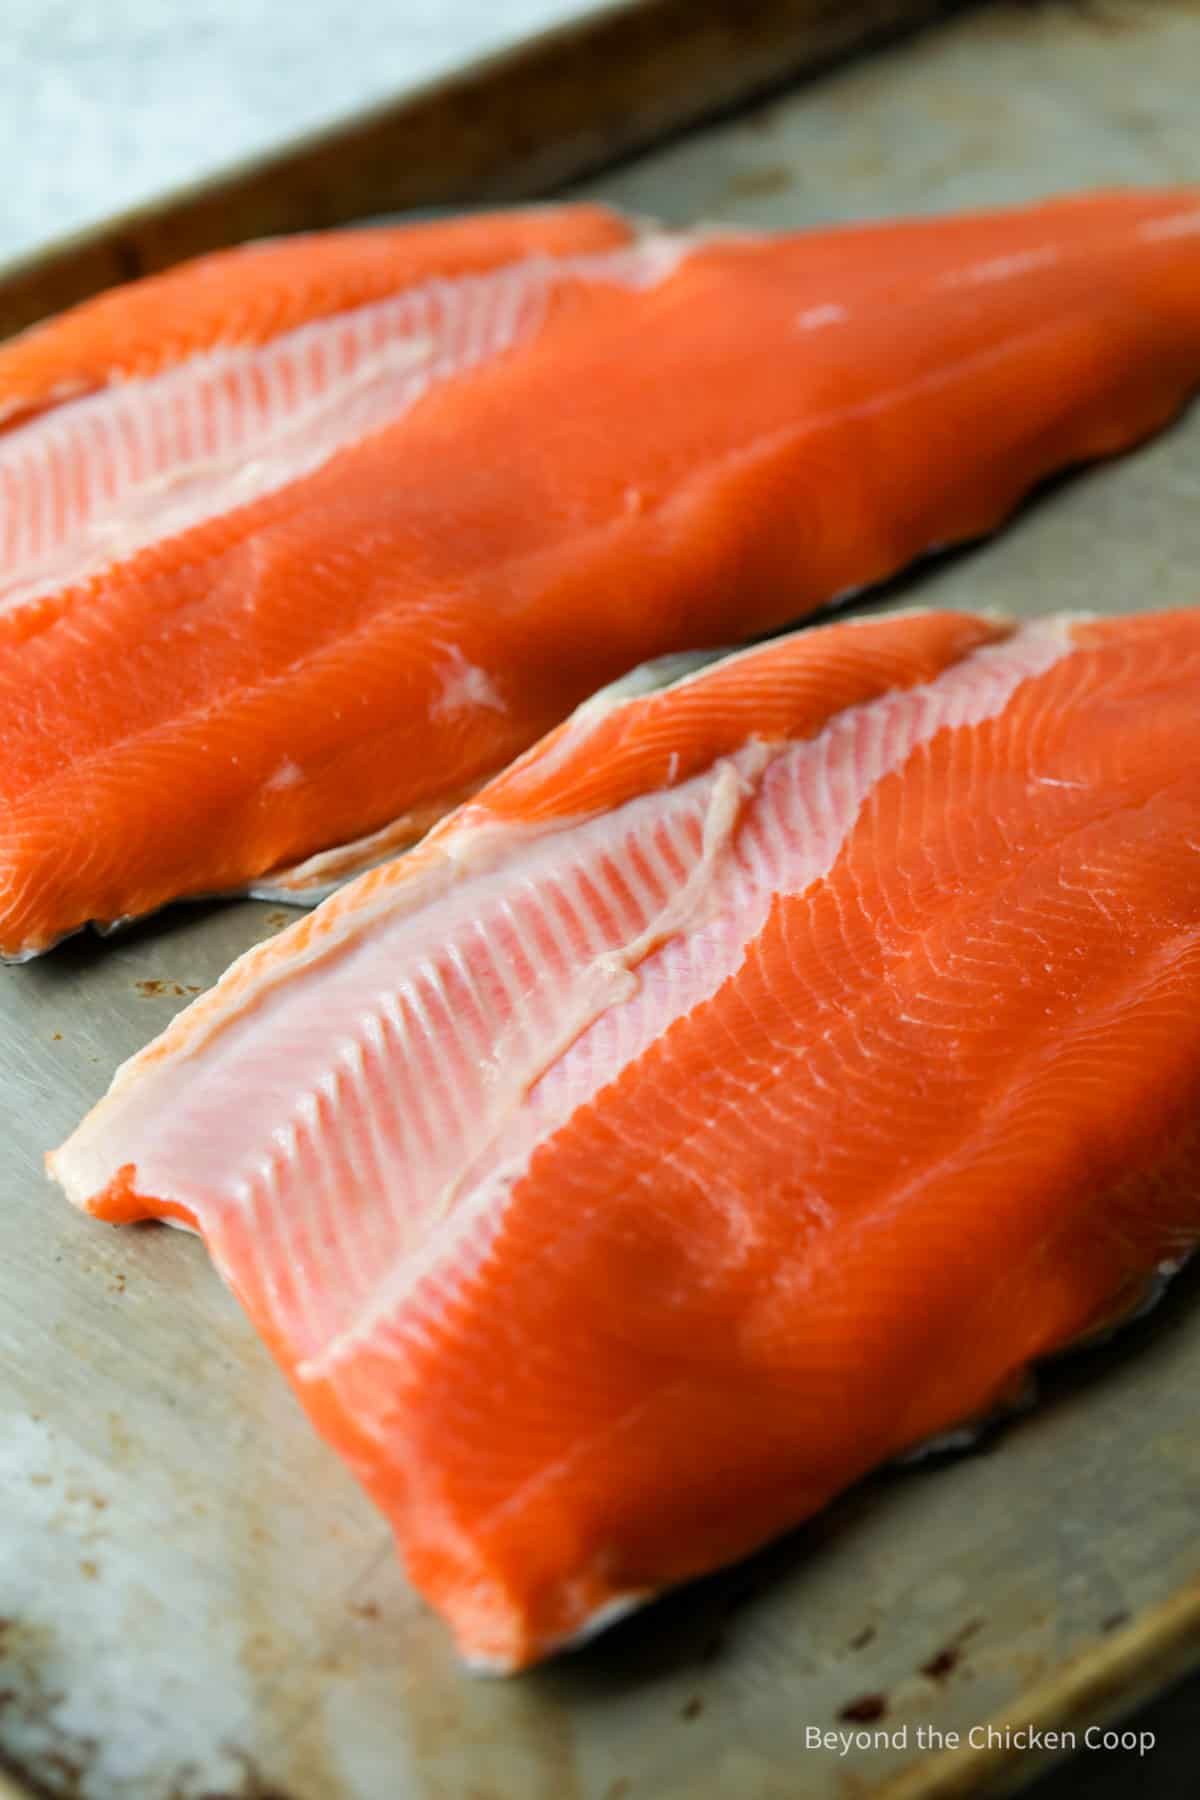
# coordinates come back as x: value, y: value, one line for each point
x: 743, y: 1089
x: 302, y: 543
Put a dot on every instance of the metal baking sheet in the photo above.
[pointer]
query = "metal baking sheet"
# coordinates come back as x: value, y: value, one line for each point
x: 196, y: 1600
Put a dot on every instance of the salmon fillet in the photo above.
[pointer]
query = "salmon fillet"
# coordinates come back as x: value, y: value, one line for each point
x: 744, y: 1088
x: 303, y: 544
x: 254, y: 293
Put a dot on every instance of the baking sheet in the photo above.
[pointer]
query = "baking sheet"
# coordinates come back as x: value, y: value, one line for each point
x: 197, y: 1601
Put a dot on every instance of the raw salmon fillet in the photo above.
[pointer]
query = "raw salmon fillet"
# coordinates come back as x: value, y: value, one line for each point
x: 745, y: 1087
x: 302, y: 544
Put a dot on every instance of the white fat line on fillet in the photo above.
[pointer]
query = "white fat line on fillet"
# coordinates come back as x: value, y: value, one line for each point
x: 477, y: 851
x: 976, y: 688
x: 102, y: 477
x: 1181, y: 224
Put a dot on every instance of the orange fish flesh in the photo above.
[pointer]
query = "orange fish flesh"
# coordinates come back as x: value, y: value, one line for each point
x: 301, y: 544
x: 744, y: 1088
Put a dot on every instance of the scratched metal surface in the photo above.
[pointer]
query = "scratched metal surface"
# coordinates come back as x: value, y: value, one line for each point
x: 195, y: 1598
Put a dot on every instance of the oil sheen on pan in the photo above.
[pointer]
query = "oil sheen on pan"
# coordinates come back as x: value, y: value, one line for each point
x: 745, y: 1087
x: 302, y: 543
